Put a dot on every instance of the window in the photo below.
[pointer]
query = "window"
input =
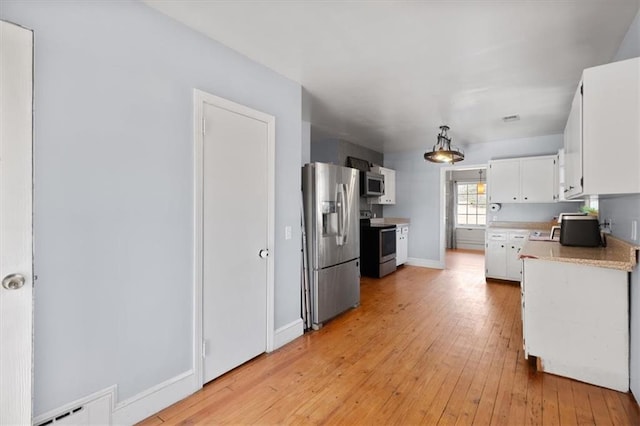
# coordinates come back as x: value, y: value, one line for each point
x: 471, y: 207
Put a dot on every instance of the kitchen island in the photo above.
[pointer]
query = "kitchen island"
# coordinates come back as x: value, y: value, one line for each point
x: 575, y: 310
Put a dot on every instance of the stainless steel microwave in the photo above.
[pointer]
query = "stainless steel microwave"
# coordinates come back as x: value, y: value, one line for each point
x: 371, y: 184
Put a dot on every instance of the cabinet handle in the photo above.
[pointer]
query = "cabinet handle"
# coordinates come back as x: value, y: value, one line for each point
x: 526, y: 198
x: 514, y: 198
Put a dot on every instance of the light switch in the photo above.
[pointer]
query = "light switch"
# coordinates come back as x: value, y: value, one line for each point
x: 634, y: 230
x: 287, y: 232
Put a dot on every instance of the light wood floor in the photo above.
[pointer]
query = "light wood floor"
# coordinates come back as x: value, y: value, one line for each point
x: 425, y: 347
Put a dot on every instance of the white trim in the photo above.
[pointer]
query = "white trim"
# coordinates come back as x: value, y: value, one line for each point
x: 138, y: 407
x: 154, y: 399
x: 198, y: 173
x: 288, y: 333
x: 443, y: 202
x: 109, y: 392
x: 425, y: 263
x: 200, y: 98
x: 16, y: 223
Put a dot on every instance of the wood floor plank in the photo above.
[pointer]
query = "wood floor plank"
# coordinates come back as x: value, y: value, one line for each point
x: 504, y: 396
x: 550, y: 410
x: 425, y: 346
x: 566, y: 403
x: 534, y: 398
x: 630, y: 406
x: 582, y: 403
x: 599, y: 406
x: 518, y: 408
x: 617, y: 412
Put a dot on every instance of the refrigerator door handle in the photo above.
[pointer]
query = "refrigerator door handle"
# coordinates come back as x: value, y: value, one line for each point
x: 342, y: 211
x: 345, y: 214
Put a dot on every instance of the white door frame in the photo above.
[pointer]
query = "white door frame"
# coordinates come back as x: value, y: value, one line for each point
x: 200, y: 98
x: 443, y: 203
x: 16, y: 223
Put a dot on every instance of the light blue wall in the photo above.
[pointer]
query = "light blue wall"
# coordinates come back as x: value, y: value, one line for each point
x: 418, y: 189
x: 306, y: 142
x: 630, y: 46
x: 622, y: 210
x: 113, y: 211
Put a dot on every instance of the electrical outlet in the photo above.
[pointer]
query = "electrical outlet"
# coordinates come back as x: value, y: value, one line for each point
x: 287, y: 232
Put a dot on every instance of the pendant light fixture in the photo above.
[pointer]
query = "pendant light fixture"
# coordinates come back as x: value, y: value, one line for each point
x: 442, y: 151
x: 482, y: 187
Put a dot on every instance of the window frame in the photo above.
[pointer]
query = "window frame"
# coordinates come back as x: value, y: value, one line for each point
x: 486, y: 216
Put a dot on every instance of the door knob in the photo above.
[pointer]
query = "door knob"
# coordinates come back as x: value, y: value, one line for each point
x: 13, y: 281
x: 263, y: 253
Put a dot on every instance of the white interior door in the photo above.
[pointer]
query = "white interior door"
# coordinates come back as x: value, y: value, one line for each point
x: 16, y: 254
x: 235, y: 232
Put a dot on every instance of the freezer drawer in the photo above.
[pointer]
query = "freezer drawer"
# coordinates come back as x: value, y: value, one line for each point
x: 334, y: 290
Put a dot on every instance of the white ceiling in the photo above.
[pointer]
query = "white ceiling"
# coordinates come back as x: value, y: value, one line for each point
x: 387, y: 74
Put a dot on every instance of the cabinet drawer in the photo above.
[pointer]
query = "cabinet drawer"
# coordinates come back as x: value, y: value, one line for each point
x: 497, y: 236
x: 518, y: 237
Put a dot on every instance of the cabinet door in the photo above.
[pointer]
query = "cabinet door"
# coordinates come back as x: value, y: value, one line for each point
x: 398, y: 246
x: 538, y: 180
x: 514, y: 264
x: 611, y: 134
x: 573, y: 148
x: 495, y: 259
x: 389, y: 196
x: 389, y: 186
x: 504, y: 181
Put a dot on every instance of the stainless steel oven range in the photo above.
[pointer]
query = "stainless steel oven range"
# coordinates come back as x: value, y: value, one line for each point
x: 377, y: 249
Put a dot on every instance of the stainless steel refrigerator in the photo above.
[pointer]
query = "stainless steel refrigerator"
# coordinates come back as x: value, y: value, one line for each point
x: 331, y: 212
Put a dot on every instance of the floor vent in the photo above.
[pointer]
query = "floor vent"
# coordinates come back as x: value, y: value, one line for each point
x: 92, y: 412
x: 59, y: 419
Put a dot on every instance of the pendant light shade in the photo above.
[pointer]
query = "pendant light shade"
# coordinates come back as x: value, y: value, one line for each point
x: 442, y: 151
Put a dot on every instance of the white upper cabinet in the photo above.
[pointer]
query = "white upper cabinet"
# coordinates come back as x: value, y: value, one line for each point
x: 573, y: 148
x: 602, y: 135
x: 523, y: 180
x: 503, y: 178
x: 538, y: 177
x: 389, y: 196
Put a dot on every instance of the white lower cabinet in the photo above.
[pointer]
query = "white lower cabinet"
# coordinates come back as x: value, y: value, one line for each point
x: 495, y: 259
x: 576, y: 321
x: 402, y: 244
x: 501, y: 254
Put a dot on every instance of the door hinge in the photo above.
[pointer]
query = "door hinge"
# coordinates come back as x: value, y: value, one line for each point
x: 204, y: 348
x: 582, y: 181
x: 204, y: 126
x: 582, y: 89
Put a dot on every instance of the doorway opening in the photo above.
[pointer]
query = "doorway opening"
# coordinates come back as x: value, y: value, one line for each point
x: 463, y: 209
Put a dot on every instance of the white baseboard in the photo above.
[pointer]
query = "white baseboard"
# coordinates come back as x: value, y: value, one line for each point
x: 288, y: 333
x: 154, y: 399
x: 425, y: 263
x: 471, y: 246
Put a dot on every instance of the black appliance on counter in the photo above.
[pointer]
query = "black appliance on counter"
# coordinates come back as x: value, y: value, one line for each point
x: 580, y: 231
x: 377, y: 249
